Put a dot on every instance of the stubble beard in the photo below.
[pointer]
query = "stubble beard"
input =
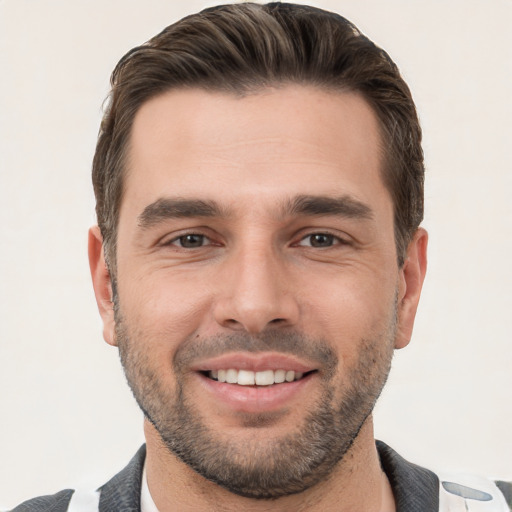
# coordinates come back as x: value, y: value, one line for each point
x: 261, y: 468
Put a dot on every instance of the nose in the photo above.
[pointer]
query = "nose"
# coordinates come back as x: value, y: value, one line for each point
x: 256, y: 293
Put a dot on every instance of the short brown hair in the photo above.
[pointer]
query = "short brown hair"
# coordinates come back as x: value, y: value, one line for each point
x: 242, y: 48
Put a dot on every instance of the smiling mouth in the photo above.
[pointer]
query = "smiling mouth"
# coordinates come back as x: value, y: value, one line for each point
x: 250, y: 378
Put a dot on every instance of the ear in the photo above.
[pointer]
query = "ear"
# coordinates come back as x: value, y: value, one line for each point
x: 411, y: 279
x: 102, y: 284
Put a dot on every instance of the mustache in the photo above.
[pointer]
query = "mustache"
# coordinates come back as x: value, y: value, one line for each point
x: 316, y: 351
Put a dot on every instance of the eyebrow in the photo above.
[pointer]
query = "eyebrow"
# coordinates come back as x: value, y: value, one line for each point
x: 344, y: 206
x: 309, y: 205
x: 167, y: 208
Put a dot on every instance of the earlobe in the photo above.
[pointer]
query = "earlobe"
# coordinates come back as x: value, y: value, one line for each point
x: 412, y: 276
x: 102, y: 284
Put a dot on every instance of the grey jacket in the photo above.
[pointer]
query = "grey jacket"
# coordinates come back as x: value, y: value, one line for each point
x: 415, y: 489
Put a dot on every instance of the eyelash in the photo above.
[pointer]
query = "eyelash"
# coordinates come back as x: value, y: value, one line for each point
x: 178, y: 241
x: 334, y: 240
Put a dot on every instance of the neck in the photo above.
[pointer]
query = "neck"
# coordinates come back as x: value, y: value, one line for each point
x: 357, y: 483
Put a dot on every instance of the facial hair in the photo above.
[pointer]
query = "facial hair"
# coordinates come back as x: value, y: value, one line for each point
x: 278, y: 465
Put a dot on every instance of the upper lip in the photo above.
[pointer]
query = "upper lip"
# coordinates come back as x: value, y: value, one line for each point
x: 253, y: 362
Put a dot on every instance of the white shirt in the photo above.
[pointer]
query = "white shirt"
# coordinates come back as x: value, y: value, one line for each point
x: 146, y: 501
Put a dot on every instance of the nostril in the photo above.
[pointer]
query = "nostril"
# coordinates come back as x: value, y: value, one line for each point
x: 277, y: 321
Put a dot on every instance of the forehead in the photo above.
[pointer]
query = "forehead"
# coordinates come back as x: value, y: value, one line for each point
x: 287, y: 141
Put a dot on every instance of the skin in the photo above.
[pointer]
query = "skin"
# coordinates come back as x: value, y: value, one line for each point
x: 258, y: 269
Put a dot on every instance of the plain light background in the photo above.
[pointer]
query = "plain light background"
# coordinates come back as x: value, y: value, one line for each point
x: 66, y: 412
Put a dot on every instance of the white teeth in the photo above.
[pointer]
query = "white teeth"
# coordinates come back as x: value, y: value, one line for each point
x: 248, y: 378
x: 265, y: 378
x: 245, y: 378
x: 232, y: 376
x: 279, y: 376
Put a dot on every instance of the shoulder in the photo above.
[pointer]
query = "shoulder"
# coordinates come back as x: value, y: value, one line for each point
x: 55, y: 503
x: 506, y: 489
x: 122, y: 492
x: 418, y: 489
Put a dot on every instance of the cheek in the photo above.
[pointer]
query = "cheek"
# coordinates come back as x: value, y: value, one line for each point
x: 163, y: 311
x: 358, y: 321
x: 348, y: 305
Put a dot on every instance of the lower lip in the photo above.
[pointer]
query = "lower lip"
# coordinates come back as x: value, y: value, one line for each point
x: 253, y: 399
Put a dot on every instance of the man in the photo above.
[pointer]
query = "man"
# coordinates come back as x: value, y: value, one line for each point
x: 259, y: 256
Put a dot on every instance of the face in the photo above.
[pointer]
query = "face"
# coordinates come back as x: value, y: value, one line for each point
x: 258, y: 294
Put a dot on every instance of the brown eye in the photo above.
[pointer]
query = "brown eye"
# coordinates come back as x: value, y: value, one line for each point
x: 191, y: 241
x: 319, y: 240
